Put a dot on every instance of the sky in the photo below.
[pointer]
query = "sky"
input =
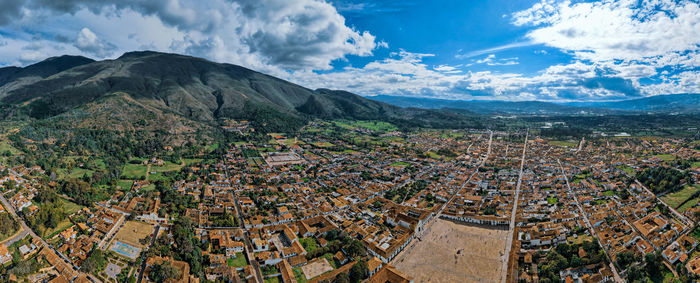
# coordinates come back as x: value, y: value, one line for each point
x: 515, y: 50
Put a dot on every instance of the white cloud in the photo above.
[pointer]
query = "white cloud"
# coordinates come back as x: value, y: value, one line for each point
x: 271, y: 35
x: 491, y: 60
x: 88, y: 42
x: 614, y: 30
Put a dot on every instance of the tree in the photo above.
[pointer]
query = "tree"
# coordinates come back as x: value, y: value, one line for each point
x: 163, y: 271
x: 354, y: 248
x: 359, y: 271
x: 624, y: 259
x: 653, y: 262
x: 95, y: 263
x: 342, y: 278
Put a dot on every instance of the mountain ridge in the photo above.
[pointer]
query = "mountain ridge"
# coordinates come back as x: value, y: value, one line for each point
x: 199, y: 90
x: 684, y: 103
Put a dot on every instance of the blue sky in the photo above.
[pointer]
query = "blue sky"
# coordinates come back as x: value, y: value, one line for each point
x: 508, y: 50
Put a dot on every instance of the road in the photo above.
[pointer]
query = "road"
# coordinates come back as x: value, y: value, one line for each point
x: 676, y: 213
x: 34, y: 235
x: 476, y: 170
x: 246, y: 235
x: 616, y: 275
x: 16, y: 237
x: 513, y: 214
x: 143, y: 261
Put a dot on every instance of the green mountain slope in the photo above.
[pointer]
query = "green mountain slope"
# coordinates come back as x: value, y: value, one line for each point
x: 202, y: 91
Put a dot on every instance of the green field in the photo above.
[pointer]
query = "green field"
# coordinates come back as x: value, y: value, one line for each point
x: 299, y: 274
x: 323, y: 144
x: 400, y: 164
x: 63, y: 225
x: 688, y: 205
x: 213, y: 146
x: 239, y: 261
x: 134, y: 171
x: 580, y: 239
x: 433, y: 155
x: 564, y: 143
x: 70, y: 207
x: 666, y: 157
x: 609, y: 193
x: 190, y: 161
x: 125, y: 184
x: 79, y: 173
x: 627, y: 169
x: 377, y: 126
x: 676, y: 199
x: 5, y: 146
x: 552, y: 200
x: 309, y: 244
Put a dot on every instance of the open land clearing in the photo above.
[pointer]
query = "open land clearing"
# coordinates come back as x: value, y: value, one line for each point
x: 451, y: 252
x: 132, y: 232
x: 316, y: 268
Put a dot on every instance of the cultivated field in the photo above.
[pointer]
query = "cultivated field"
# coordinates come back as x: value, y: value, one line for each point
x: 132, y: 232
x: 450, y: 252
x: 316, y: 268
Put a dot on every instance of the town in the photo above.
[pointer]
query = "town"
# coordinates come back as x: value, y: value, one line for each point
x: 352, y: 201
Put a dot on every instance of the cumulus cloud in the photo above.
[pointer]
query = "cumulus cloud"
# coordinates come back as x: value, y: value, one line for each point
x: 612, y: 45
x: 615, y: 30
x: 88, y: 42
x: 268, y: 34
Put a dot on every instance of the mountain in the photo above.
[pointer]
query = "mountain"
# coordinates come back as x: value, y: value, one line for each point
x: 686, y: 103
x: 16, y: 76
x: 662, y: 104
x: 490, y: 107
x: 166, y: 91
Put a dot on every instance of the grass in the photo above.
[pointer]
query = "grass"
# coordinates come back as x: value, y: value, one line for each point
x: 63, y: 225
x: 134, y: 171
x: 376, y: 126
x: 79, y: 173
x: 239, y: 261
x: 309, y: 244
x: 190, y: 161
x: 213, y: 147
x: 666, y: 157
x: 299, y: 275
x: 275, y: 279
x: 168, y: 167
x: 564, y: 143
x: 627, y: 169
x: 125, y: 184
x: 433, y: 155
x: 552, y: 200
x: 5, y: 146
x: 688, y: 205
x: 400, y: 164
x: 70, y: 207
x: 148, y: 188
x: 696, y: 233
x: 609, y: 193
x: 677, y: 198
x: 323, y: 144
x: 329, y: 257
x: 580, y: 239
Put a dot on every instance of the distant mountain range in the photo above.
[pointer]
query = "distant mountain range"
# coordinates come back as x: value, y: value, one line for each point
x: 176, y: 93
x: 674, y: 103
